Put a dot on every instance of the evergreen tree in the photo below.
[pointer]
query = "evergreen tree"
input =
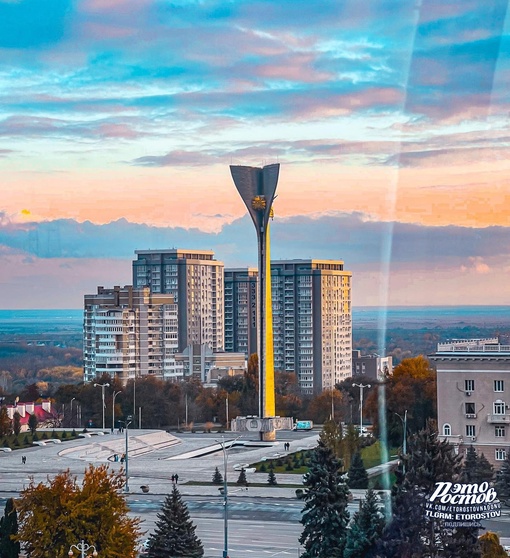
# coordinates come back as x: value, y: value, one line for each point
x: 5, y: 422
x: 325, y: 517
x: 9, y: 548
x: 32, y: 423
x: 16, y: 423
x: 485, y: 470
x: 358, y: 477
x: 242, y: 478
x: 271, y: 478
x: 217, y: 477
x: 470, y: 465
x: 174, y: 535
x: 503, y: 480
x: 410, y: 533
x: 366, y: 528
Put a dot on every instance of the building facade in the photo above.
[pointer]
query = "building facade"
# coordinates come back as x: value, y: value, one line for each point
x: 129, y: 333
x: 312, y: 321
x: 371, y: 367
x: 241, y: 310
x: 195, y: 280
x: 473, y: 396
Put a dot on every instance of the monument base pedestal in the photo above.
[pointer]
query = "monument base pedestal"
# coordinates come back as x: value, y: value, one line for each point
x: 266, y: 426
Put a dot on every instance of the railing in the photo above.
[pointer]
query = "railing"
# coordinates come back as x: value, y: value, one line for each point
x: 472, y: 348
x: 498, y: 419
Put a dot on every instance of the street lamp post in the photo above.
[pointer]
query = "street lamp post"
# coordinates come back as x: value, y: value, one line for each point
x: 126, y: 456
x: 115, y: 393
x: 82, y: 547
x: 361, y: 388
x: 102, y: 386
x: 71, y: 423
x: 404, y: 428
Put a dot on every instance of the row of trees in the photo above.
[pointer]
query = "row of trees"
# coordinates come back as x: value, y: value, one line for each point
x: 411, y: 387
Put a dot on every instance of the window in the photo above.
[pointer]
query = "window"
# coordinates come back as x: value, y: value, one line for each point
x: 500, y: 454
x: 447, y: 430
x: 499, y: 408
x: 499, y: 385
x: 469, y: 385
x: 470, y: 409
x: 470, y: 430
x: 499, y: 431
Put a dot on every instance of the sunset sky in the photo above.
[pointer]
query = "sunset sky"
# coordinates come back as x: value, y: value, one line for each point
x: 390, y: 119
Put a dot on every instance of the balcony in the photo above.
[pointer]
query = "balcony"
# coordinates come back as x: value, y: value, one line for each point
x: 498, y: 419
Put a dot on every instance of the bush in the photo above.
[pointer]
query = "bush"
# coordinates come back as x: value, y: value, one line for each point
x: 44, y: 436
x: 6, y: 444
x: 35, y: 437
x: 217, y: 477
x: 289, y: 467
x: 271, y: 478
x: 16, y: 442
x: 26, y: 441
x: 300, y: 493
x: 63, y: 436
x: 263, y: 468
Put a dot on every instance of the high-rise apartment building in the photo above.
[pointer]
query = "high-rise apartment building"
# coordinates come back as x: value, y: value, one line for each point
x: 312, y: 321
x: 130, y: 333
x: 195, y: 279
x: 241, y: 310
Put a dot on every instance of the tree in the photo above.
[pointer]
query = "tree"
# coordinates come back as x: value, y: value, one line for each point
x: 9, y: 548
x: 242, y: 478
x: 332, y: 436
x: 325, y: 516
x: 410, y: 533
x: 476, y: 468
x: 174, y: 534
x: 366, y: 528
x: 32, y: 423
x: 358, y: 477
x: 5, y: 422
x: 491, y: 547
x: 271, y: 478
x: 55, y: 515
x: 217, y: 477
x: 503, y: 480
x: 16, y: 423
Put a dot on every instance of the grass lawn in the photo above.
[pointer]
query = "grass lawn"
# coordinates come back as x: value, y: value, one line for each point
x: 372, y: 454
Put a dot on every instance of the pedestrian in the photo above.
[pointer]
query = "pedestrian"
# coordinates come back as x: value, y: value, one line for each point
x: 23, y: 459
x: 173, y: 479
x: 176, y: 478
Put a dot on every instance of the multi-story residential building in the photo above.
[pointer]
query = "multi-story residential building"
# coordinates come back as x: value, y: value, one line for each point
x: 195, y: 279
x: 312, y: 321
x: 371, y: 367
x: 241, y: 310
x: 473, y: 395
x: 130, y: 333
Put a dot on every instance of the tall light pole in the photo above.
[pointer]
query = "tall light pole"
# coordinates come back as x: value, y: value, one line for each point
x: 225, y: 497
x: 102, y: 386
x: 404, y: 428
x: 115, y: 393
x: 361, y: 388
x: 82, y: 547
x: 129, y: 418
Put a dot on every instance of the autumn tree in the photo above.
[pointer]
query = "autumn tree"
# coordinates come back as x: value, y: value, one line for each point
x: 32, y: 423
x: 491, y: 547
x: 174, y: 534
x: 411, y: 387
x: 9, y: 548
x: 332, y: 437
x: 55, y: 515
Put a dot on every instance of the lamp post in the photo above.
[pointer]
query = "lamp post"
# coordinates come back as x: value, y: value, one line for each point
x: 225, y: 497
x: 115, y: 393
x: 82, y: 547
x: 404, y: 428
x: 102, y: 386
x: 361, y: 388
x: 129, y: 418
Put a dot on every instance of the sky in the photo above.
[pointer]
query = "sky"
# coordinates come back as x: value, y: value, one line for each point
x: 119, y: 120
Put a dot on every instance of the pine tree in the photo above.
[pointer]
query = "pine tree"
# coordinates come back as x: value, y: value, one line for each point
x: 366, y: 528
x: 325, y: 517
x: 217, y: 477
x: 32, y: 423
x: 242, y: 478
x: 271, y: 478
x: 470, y: 465
x: 410, y: 533
x: 9, y: 526
x: 174, y: 535
x: 358, y: 477
x: 503, y: 480
x: 485, y: 470
x: 16, y: 423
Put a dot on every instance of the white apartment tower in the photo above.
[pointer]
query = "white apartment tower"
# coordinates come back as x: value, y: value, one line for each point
x: 312, y: 321
x: 130, y: 333
x: 195, y: 280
